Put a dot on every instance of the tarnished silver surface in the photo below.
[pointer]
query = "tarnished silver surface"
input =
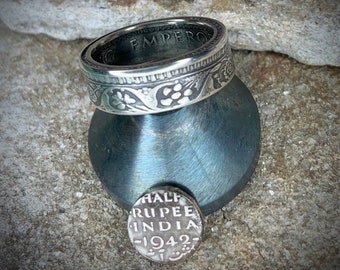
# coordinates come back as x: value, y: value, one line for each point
x: 158, y: 66
x: 165, y: 225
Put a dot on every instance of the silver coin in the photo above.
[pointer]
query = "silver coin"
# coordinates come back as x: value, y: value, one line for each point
x: 165, y: 225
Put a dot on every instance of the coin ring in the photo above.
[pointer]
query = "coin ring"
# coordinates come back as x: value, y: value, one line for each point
x: 157, y: 66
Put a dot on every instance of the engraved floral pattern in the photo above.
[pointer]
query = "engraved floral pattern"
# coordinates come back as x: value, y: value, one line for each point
x: 222, y: 73
x: 122, y: 100
x: 95, y: 92
x: 180, y: 92
x: 151, y: 95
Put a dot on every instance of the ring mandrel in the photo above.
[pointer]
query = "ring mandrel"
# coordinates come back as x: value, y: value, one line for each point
x: 170, y: 165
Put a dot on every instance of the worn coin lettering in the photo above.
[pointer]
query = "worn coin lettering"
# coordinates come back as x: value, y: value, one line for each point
x: 166, y: 38
x: 165, y: 225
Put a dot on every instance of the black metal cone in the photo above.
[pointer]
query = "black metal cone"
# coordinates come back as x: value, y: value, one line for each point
x: 209, y: 149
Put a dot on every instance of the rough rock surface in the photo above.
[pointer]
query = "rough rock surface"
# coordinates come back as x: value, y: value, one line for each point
x: 308, y: 31
x: 54, y: 214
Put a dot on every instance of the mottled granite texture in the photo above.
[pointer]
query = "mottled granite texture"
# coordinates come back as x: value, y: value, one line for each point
x: 54, y: 213
x: 305, y: 30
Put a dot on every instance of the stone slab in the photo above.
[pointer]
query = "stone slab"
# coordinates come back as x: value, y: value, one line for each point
x: 308, y: 31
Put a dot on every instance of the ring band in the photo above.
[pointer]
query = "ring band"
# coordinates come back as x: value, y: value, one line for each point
x: 157, y: 66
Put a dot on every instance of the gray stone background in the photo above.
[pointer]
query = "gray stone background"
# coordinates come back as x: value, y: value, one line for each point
x: 305, y: 30
x: 54, y: 213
